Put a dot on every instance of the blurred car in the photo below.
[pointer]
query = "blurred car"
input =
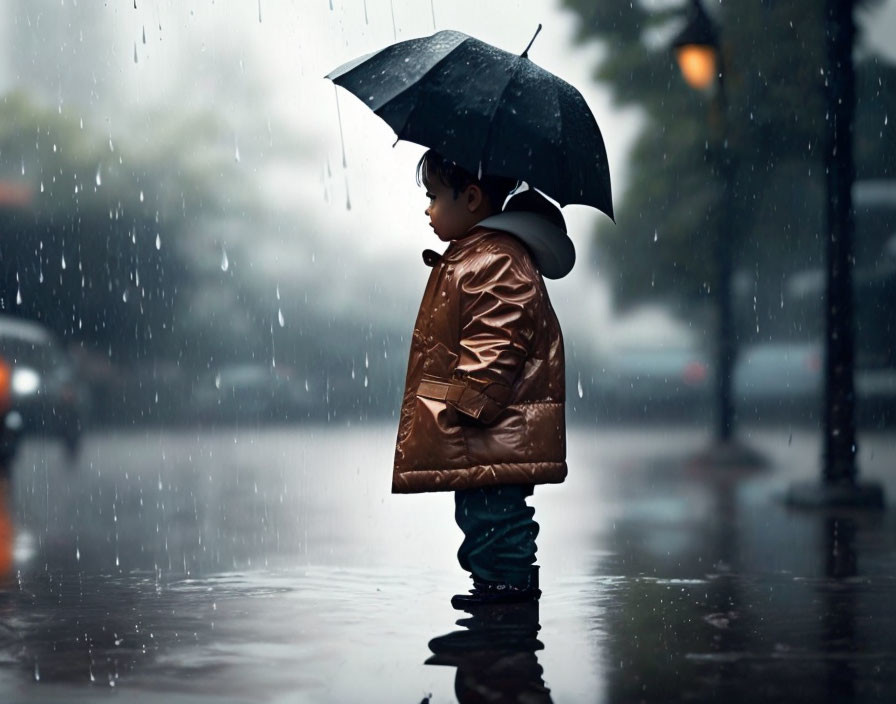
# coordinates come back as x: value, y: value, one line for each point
x: 657, y: 382
x: 46, y: 396
x: 775, y: 380
x: 243, y: 392
x: 778, y: 380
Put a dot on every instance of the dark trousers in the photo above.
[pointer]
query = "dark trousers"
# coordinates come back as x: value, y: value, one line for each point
x: 499, y: 534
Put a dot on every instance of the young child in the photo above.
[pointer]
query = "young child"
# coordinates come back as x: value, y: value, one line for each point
x: 483, y: 407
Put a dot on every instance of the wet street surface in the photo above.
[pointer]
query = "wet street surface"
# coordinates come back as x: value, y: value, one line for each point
x: 274, y: 566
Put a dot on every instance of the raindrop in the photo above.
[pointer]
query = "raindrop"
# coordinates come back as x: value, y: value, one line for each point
x: 365, y: 381
x: 886, y: 119
x: 41, y: 186
x: 339, y: 120
x: 141, y: 196
x: 63, y: 260
x: 144, y: 34
x: 158, y: 241
x: 366, y: 21
x: 236, y: 150
x: 225, y: 262
x: 135, y: 52
x: 259, y: 11
x: 655, y: 235
x: 99, y: 174
x: 366, y: 361
x: 23, y: 165
x: 36, y: 672
x: 579, y: 386
x: 280, y: 318
x: 19, y: 296
x: 278, y: 292
x: 78, y: 554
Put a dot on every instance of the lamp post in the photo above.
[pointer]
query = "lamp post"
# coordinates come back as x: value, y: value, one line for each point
x: 839, y: 485
x: 701, y: 62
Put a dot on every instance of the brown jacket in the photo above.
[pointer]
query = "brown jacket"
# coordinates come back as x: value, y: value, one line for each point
x: 484, y: 396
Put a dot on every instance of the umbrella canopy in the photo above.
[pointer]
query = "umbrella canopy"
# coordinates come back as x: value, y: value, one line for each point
x: 490, y: 111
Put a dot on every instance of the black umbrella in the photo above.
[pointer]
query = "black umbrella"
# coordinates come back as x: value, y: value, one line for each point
x: 490, y: 111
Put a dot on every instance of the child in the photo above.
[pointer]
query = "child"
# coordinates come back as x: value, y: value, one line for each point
x: 483, y: 407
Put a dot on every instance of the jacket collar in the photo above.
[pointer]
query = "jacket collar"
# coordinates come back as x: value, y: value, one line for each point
x: 456, y: 248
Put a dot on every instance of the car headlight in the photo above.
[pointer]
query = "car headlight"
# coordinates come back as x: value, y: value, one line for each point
x: 25, y: 381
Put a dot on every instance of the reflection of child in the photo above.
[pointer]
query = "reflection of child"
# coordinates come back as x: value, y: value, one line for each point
x: 483, y: 407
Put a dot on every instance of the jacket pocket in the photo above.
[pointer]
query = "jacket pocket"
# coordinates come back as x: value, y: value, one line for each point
x: 439, y: 361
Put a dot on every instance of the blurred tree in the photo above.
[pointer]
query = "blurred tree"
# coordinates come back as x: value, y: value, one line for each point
x: 95, y: 251
x: 774, y: 52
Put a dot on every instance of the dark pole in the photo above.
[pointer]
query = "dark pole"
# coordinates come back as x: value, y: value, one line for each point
x: 725, y: 342
x: 700, y: 33
x: 839, y: 484
x: 839, y: 454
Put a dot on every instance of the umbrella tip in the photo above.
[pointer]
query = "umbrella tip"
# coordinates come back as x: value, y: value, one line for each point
x: 525, y: 54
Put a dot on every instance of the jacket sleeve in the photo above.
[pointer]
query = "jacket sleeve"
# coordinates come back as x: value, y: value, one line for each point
x: 497, y: 329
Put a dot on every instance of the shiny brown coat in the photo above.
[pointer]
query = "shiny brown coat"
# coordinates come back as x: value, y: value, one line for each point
x: 484, y: 396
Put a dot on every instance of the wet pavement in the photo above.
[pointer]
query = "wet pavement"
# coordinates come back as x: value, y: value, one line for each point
x: 274, y: 566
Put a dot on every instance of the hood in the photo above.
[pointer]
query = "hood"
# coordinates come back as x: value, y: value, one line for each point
x: 551, y: 248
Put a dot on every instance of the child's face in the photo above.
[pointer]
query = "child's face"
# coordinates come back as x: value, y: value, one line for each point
x: 452, y: 217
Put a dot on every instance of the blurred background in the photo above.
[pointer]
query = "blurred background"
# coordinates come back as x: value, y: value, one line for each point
x: 202, y: 229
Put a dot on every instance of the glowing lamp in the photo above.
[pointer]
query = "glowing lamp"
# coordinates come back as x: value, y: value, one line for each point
x: 697, y: 49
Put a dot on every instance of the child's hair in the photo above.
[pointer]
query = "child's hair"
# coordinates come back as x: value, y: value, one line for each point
x: 433, y: 165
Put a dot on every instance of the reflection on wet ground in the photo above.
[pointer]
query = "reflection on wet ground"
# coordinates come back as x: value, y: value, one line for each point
x: 274, y: 566
x: 495, y: 655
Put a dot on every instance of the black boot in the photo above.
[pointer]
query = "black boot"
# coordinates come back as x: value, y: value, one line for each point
x: 485, y: 592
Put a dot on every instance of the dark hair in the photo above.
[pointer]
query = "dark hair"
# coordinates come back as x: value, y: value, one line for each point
x: 434, y: 165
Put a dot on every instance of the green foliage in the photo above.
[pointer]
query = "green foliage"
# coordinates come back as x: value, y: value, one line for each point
x: 97, y: 251
x: 774, y: 130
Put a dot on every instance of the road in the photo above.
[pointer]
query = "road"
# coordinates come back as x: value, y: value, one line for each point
x: 274, y: 565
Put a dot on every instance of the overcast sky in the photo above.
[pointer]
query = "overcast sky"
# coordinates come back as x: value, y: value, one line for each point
x: 260, y: 66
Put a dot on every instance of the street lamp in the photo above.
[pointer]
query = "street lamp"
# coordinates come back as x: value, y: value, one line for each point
x: 697, y: 64
x: 700, y: 59
x: 696, y: 49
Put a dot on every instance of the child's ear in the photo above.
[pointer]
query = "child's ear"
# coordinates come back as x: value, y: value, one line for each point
x: 475, y: 197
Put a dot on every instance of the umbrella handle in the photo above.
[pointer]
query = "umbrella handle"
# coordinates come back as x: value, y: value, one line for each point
x: 525, y: 54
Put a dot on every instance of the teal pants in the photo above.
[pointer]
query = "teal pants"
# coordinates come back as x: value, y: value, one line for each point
x: 499, y: 534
